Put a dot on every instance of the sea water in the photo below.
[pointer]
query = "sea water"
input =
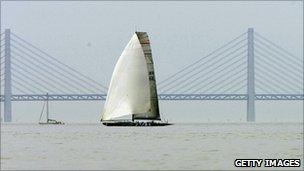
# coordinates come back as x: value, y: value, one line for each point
x: 180, y: 146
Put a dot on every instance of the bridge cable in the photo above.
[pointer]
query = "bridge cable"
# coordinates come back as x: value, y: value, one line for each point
x: 260, y: 83
x: 230, y: 71
x: 279, y: 59
x: 278, y: 47
x: 276, y: 71
x: 274, y: 75
x: 15, y: 87
x: 265, y: 91
x: 47, y: 64
x: 24, y: 81
x: 52, y: 69
x: 22, y: 85
x: 278, y: 67
x: 202, y: 64
x: 41, y: 85
x: 41, y: 74
x: 202, y: 69
x: 265, y: 73
x: 59, y: 62
x: 223, y: 60
x: 295, y: 63
x: 199, y: 60
x: 225, y: 85
x: 216, y: 78
x: 234, y: 86
x: 278, y: 62
x: 212, y: 76
x: 242, y: 87
x: 207, y: 77
x: 47, y: 71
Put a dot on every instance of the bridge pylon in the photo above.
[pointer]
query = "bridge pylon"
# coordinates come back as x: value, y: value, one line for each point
x: 7, y: 78
x: 250, y: 76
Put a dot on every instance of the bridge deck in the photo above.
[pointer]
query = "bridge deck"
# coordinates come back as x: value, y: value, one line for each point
x: 93, y: 97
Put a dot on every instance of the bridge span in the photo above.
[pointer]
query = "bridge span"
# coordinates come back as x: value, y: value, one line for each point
x: 102, y: 97
x: 249, y: 67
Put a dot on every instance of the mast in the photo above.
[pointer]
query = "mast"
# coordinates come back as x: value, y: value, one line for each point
x: 47, y: 107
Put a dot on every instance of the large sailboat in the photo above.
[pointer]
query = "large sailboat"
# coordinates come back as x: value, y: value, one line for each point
x: 132, y: 96
x: 48, y: 120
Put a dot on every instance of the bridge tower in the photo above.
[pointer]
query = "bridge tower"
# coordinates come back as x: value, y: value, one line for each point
x: 7, y: 78
x: 250, y: 77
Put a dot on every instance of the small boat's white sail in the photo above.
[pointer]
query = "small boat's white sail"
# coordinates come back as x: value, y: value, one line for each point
x: 132, y: 91
x: 48, y: 120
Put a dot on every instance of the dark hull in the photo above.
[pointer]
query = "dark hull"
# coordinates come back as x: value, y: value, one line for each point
x: 136, y: 124
x: 45, y: 123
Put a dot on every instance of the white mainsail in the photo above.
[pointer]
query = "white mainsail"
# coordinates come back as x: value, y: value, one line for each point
x: 132, y: 91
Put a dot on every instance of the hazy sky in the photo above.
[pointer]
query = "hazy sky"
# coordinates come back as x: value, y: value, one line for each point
x: 180, y: 33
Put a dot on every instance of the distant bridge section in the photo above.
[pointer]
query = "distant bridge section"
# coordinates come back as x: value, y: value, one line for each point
x: 249, y: 67
x: 102, y: 97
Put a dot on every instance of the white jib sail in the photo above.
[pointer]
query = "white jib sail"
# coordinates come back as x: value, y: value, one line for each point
x: 129, y: 91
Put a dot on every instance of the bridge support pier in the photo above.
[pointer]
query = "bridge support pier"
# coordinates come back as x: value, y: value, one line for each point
x: 7, y: 79
x: 250, y: 77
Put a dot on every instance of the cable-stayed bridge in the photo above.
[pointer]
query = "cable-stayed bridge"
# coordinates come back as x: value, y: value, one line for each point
x: 249, y: 67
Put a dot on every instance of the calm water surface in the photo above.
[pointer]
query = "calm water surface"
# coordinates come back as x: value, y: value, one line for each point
x: 181, y: 146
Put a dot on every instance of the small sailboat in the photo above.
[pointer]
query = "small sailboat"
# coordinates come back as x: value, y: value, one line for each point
x: 132, y: 96
x: 48, y: 120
